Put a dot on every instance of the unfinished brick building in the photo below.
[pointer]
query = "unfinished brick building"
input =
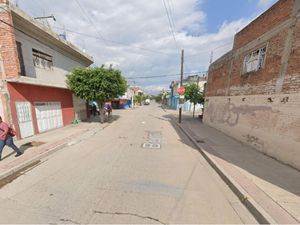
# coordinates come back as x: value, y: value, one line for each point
x: 253, y: 91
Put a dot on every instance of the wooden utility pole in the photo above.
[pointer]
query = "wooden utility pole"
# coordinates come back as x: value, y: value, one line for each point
x: 181, y: 82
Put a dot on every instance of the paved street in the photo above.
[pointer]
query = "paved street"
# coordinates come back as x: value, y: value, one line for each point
x: 140, y: 169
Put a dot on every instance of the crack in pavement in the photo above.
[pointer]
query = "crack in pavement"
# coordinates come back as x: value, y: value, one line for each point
x: 129, y: 214
x: 70, y: 221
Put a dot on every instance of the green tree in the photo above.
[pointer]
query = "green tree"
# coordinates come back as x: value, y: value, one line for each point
x: 98, y: 84
x: 193, y: 94
x: 138, y: 98
x: 158, y: 98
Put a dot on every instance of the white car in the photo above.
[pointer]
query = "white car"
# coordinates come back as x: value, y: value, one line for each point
x: 147, y: 101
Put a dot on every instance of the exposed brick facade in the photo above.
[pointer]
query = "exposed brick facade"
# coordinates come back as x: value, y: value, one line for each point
x: 276, y: 15
x: 278, y: 29
x: 8, y: 47
x: 261, y: 107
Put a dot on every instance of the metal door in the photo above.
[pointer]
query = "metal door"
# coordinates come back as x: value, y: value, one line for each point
x: 49, y: 115
x: 24, y: 119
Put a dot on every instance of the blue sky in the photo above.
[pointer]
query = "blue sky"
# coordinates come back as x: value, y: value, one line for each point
x: 148, y: 46
x: 218, y: 11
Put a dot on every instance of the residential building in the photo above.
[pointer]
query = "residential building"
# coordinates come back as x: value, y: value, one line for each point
x: 253, y: 91
x: 33, y: 64
x: 173, y: 99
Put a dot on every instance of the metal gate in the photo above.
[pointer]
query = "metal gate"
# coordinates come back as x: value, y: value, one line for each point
x: 49, y: 115
x: 24, y: 119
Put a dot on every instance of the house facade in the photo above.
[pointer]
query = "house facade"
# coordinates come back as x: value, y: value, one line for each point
x: 34, y: 62
x: 253, y: 91
x: 173, y: 98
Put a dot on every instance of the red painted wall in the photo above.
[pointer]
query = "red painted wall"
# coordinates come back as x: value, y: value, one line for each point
x: 33, y: 93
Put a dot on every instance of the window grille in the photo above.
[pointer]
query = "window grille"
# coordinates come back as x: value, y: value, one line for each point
x: 254, y: 60
x: 42, y: 60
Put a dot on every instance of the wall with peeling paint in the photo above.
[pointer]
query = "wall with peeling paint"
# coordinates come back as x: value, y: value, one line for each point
x: 271, y: 124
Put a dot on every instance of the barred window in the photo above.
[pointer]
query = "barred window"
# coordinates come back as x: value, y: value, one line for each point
x: 42, y: 60
x: 254, y: 60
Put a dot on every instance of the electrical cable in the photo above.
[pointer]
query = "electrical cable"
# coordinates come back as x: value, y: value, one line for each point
x: 170, y: 24
x: 166, y: 75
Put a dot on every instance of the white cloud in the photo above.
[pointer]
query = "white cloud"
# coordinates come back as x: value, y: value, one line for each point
x: 140, y: 24
x: 153, y: 89
x: 265, y: 3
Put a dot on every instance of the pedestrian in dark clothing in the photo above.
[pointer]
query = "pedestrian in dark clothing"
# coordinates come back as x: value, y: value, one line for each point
x: 6, y: 139
x: 94, y: 109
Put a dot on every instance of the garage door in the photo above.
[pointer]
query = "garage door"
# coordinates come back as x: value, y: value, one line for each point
x: 49, y: 115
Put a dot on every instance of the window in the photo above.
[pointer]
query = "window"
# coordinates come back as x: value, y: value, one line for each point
x: 255, y: 60
x: 21, y: 60
x: 42, y: 60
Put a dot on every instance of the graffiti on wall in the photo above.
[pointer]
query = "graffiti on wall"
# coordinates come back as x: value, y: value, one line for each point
x: 255, y: 141
x: 230, y: 113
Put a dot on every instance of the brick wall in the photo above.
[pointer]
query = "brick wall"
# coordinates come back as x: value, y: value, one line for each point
x: 8, y: 48
x: 261, y: 108
x: 278, y: 13
x: 281, y: 71
x: 218, y: 76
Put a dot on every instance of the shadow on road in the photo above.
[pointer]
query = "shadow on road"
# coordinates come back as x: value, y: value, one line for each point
x: 183, y: 138
x: 96, y: 119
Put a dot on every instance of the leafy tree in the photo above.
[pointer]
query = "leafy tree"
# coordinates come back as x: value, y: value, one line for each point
x: 193, y: 94
x: 146, y: 97
x: 98, y: 84
x: 138, y: 98
x: 158, y: 98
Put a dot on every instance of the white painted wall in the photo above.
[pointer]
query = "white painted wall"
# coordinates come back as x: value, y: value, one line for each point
x: 62, y: 64
x: 272, y: 126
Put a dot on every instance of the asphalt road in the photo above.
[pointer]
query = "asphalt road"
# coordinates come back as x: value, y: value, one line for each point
x: 140, y: 169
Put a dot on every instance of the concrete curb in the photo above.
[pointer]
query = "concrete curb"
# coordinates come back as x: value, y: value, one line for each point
x: 68, y: 141
x: 257, y: 211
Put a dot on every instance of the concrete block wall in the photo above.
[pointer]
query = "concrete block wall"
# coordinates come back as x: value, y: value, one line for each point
x: 271, y: 124
x: 261, y: 108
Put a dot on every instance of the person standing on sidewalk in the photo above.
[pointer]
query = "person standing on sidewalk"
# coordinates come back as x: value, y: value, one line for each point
x: 6, y: 139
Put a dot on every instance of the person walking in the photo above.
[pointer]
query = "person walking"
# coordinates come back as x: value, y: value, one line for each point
x: 6, y: 139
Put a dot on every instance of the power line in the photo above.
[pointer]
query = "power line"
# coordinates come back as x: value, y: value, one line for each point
x: 170, y: 24
x: 166, y: 75
x: 89, y: 18
x: 95, y: 37
x: 112, y: 41
x: 209, y: 50
x: 171, y: 12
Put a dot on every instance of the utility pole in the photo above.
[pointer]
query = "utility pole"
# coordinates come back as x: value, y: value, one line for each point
x: 181, y: 82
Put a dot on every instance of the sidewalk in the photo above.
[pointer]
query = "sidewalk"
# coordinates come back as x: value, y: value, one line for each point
x: 41, y: 145
x: 270, y: 189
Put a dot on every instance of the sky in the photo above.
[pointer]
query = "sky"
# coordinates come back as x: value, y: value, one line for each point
x: 144, y: 38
